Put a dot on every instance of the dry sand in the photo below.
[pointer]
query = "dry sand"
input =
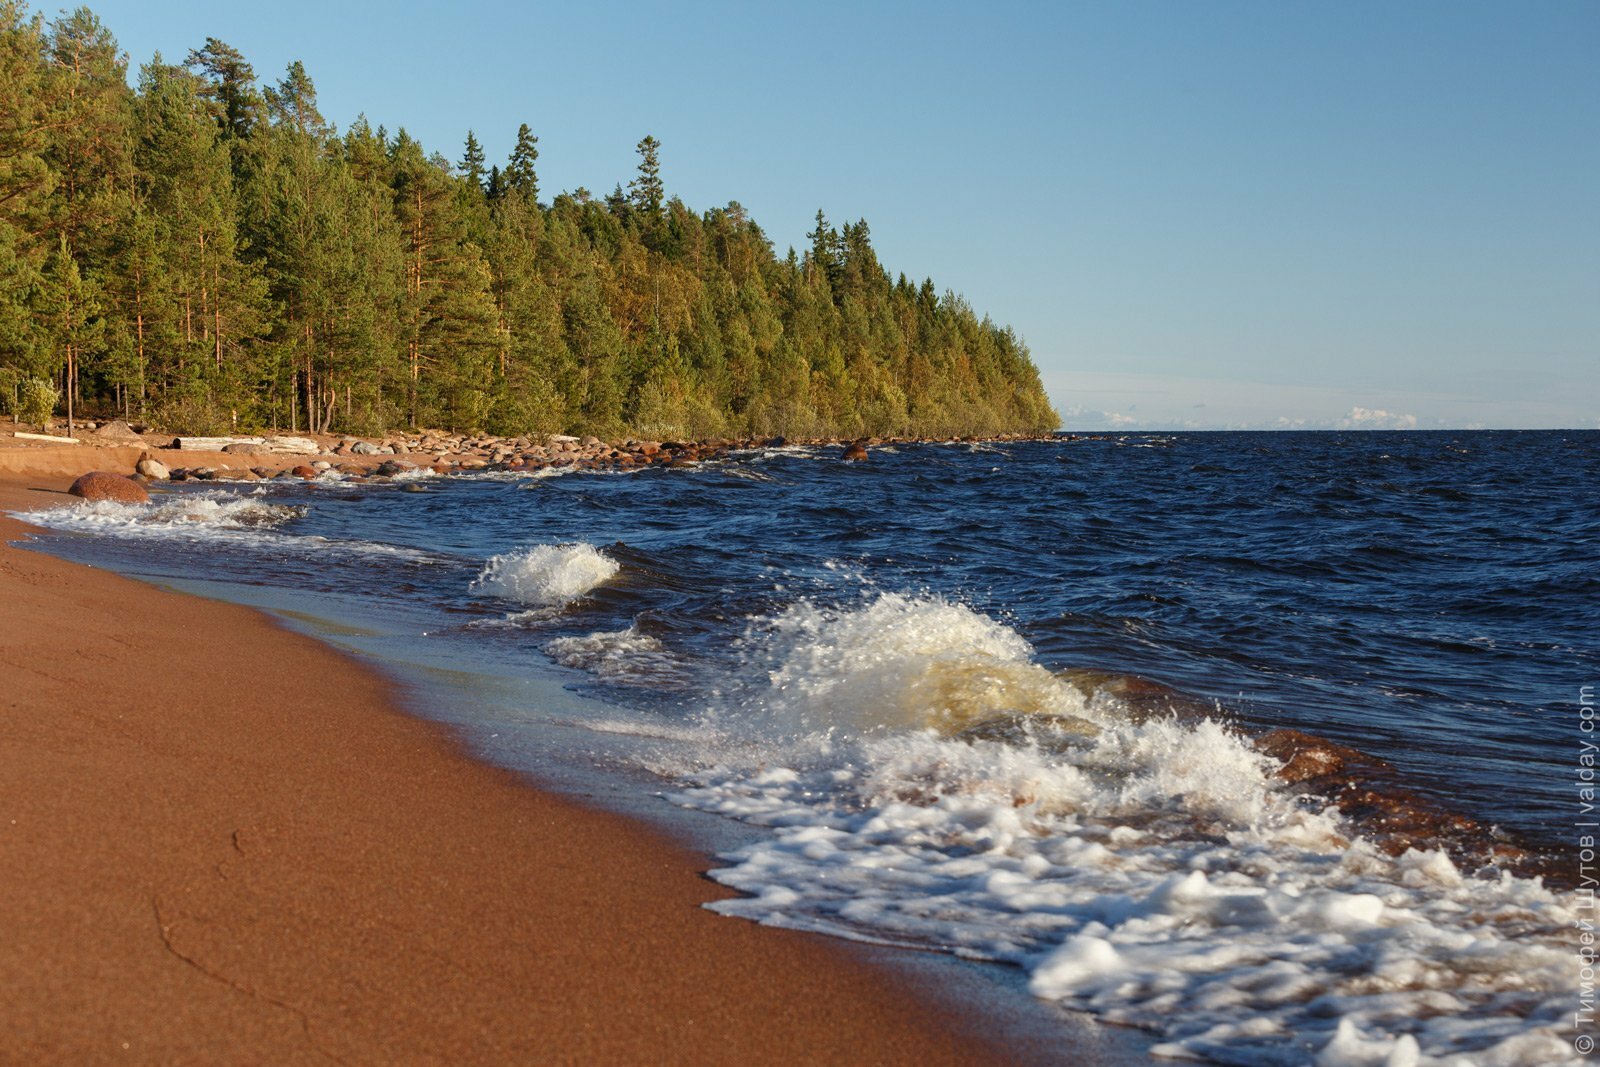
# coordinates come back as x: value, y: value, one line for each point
x: 220, y: 842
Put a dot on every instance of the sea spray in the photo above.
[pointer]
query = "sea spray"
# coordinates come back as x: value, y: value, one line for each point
x: 898, y: 661
x: 546, y: 576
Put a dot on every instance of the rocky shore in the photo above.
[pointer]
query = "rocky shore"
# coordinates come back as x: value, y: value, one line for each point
x: 179, y: 457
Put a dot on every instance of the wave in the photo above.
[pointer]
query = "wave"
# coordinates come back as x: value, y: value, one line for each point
x: 190, y: 515
x: 897, y: 662
x: 246, y: 519
x: 930, y: 785
x: 546, y: 576
x: 619, y: 656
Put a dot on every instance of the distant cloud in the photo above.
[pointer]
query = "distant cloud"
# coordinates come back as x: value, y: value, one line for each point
x: 1376, y: 419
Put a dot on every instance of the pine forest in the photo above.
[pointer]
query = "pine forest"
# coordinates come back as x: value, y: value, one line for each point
x: 200, y: 249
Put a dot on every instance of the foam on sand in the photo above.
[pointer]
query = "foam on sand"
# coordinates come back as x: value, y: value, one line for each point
x: 546, y: 576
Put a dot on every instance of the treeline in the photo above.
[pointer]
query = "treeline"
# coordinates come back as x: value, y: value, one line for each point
x: 208, y: 253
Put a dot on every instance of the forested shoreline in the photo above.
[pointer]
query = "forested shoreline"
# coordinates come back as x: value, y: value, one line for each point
x: 204, y: 251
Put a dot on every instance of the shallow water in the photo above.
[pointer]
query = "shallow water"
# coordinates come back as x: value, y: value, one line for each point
x: 913, y: 673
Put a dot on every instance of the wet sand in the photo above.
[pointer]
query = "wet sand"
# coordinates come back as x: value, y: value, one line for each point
x: 221, y: 842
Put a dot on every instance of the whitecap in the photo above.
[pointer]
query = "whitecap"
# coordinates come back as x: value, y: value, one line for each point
x: 546, y: 576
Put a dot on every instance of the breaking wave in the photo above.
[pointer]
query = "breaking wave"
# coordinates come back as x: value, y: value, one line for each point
x: 546, y: 576
x: 928, y: 784
x: 191, y: 514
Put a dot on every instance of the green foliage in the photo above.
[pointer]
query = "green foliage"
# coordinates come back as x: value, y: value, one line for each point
x: 646, y: 190
x: 214, y: 255
x: 36, y: 401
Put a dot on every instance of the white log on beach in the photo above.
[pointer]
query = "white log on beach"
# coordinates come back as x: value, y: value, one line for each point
x: 215, y: 444
x: 295, y: 446
x: 45, y: 437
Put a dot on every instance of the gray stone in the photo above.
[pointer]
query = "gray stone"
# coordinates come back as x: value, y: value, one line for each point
x: 155, y: 470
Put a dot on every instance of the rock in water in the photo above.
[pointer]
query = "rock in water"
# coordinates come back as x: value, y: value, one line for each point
x: 155, y: 470
x: 855, y: 453
x: 103, y: 485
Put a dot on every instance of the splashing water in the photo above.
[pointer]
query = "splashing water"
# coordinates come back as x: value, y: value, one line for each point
x: 546, y: 576
x: 1154, y: 872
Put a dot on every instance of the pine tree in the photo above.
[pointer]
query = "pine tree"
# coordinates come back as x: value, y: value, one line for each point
x: 293, y: 103
x: 69, y: 308
x: 218, y: 301
x: 448, y: 312
x: 472, y: 162
x: 229, y: 87
x: 88, y: 143
x: 646, y: 190
x: 521, y: 171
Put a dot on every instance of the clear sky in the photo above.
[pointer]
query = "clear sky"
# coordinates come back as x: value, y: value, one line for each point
x: 1202, y: 214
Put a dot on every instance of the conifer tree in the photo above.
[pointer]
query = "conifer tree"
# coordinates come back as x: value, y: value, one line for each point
x: 646, y: 190
x: 521, y: 171
x: 229, y: 87
x: 69, y: 308
x: 472, y: 162
x: 292, y: 103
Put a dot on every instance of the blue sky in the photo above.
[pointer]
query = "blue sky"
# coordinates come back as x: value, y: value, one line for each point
x: 1217, y: 214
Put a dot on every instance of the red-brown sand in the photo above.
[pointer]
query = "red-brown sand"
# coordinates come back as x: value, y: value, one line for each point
x: 221, y: 843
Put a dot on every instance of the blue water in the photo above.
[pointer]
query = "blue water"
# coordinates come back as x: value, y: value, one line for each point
x: 1432, y: 599
x: 1427, y: 598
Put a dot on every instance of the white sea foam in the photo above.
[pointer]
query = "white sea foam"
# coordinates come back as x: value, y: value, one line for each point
x: 415, y: 474
x: 546, y: 576
x: 248, y: 518
x: 620, y: 655
x: 928, y: 784
x: 185, y: 515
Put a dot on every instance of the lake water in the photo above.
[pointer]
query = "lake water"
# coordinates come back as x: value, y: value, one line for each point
x: 1008, y: 701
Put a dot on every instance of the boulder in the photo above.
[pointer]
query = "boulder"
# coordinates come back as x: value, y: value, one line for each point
x: 364, y: 448
x: 103, y: 485
x: 117, y: 431
x: 855, y: 452
x: 244, y: 448
x: 389, y: 468
x: 155, y: 470
x: 305, y: 472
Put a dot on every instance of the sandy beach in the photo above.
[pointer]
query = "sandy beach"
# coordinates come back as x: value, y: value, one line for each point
x: 223, y: 843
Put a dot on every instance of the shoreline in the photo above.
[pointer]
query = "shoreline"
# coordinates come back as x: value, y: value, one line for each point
x: 218, y: 860
x: 213, y: 869
x: 259, y: 457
